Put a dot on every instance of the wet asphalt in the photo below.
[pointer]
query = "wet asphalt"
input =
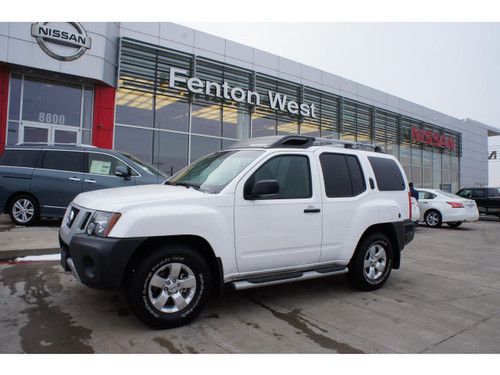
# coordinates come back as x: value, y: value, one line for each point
x: 444, y: 299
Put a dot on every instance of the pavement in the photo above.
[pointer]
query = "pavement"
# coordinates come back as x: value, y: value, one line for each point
x: 19, y: 241
x: 444, y: 299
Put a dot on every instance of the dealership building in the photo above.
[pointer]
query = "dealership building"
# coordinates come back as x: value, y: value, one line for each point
x: 170, y: 94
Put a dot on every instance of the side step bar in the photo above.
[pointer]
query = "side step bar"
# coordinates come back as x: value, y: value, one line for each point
x: 283, y: 278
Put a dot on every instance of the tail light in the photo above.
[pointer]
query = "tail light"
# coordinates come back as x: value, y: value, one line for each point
x: 409, y: 203
x: 455, y: 204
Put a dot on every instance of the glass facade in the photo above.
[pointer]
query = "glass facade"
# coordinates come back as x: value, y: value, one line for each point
x: 171, y: 127
x: 48, y: 111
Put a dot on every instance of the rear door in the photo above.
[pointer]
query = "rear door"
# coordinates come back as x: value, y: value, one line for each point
x: 100, y: 171
x: 493, y: 201
x: 479, y: 195
x: 58, y: 180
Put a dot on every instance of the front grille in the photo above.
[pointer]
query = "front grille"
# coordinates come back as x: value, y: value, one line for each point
x: 85, y: 220
x: 73, y: 213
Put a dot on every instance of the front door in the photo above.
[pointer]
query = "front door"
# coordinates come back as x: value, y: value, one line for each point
x: 283, y: 230
x: 100, y: 172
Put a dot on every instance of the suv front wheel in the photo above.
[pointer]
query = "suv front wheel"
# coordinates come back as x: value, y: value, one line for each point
x: 371, y: 265
x: 170, y: 287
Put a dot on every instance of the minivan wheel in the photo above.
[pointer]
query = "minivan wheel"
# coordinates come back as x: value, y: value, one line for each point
x: 24, y: 210
x: 371, y: 265
x: 454, y: 224
x: 433, y: 219
x: 170, y: 287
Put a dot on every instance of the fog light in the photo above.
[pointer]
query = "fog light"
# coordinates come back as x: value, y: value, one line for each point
x: 88, y: 267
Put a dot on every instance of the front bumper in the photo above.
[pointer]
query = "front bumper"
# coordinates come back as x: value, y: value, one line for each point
x: 98, y: 262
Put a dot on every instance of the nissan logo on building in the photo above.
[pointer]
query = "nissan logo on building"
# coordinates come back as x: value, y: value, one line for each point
x: 63, y: 41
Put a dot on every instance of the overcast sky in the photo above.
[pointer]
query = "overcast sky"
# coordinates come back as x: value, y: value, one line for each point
x: 450, y: 67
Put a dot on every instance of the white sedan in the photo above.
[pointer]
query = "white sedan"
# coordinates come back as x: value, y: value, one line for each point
x: 437, y: 207
x: 415, y: 211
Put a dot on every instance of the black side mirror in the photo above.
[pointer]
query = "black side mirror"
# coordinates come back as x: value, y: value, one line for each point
x: 264, y: 189
x: 122, y: 171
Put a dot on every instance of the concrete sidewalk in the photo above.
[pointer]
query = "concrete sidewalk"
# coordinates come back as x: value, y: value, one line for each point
x: 20, y: 241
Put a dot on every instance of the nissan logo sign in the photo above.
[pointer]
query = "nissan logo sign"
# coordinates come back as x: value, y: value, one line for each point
x: 63, y: 41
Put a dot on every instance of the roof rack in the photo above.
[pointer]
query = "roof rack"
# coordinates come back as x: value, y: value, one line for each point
x: 53, y: 144
x: 301, y: 141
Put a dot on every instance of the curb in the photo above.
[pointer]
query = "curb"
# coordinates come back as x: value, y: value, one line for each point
x: 13, y: 254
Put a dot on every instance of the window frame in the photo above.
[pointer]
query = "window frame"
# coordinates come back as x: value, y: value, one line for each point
x: 345, y: 155
x: 264, y: 162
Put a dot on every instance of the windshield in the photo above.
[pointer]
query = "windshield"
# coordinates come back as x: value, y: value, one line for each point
x: 213, y: 172
x: 144, y: 166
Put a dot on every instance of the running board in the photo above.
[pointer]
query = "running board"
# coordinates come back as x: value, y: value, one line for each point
x: 288, y: 277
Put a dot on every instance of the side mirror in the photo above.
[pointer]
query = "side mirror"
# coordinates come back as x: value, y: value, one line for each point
x: 264, y: 189
x: 122, y: 171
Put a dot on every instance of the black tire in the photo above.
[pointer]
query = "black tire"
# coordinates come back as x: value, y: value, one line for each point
x: 32, y: 205
x: 357, y: 276
x: 431, y: 223
x: 137, y: 288
x: 454, y: 224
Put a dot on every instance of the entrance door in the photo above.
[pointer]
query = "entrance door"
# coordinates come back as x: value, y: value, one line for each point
x: 38, y: 132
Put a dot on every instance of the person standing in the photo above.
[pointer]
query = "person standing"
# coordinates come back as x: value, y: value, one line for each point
x: 413, y: 192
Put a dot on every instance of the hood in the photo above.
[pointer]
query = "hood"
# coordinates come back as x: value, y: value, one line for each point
x: 115, y: 199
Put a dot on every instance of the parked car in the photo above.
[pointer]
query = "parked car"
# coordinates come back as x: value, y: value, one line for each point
x: 265, y: 211
x: 415, y: 211
x: 40, y: 181
x: 487, y: 199
x: 439, y: 207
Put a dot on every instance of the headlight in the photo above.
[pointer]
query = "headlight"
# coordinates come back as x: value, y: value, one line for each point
x: 102, y: 222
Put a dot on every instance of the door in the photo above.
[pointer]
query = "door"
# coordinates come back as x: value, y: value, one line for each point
x: 282, y: 230
x: 58, y: 180
x: 493, y: 201
x: 37, y: 132
x: 479, y: 195
x: 100, y: 171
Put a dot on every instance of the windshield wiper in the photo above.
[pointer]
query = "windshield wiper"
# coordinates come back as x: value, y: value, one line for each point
x: 186, y: 184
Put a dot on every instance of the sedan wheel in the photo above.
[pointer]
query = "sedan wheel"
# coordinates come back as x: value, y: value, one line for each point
x: 433, y: 219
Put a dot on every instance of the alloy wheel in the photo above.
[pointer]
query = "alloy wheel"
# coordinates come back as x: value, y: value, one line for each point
x: 172, y: 287
x: 432, y: 219
x: 375, y: 262
x: 23, y: 210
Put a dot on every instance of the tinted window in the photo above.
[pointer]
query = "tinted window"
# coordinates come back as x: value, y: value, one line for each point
x: 493, y: 193
x: 63, y: 161
x: 342, y: 174
x: 104, y: 164
x: 19, y: 158
x: 292, y: 173
x: 478, y: 193
x: 387, y: 174
x: 465, y: 193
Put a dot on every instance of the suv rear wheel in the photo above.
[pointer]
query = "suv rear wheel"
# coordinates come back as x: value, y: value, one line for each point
x: 23, y: 210
x: 372, y: 263
x: 169, y: 287
x: 433, y: 219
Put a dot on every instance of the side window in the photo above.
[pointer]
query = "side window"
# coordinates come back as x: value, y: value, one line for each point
x: 103, y: 164
x: 425, y: 195
x: 465, y: 193
x: 19, y: 158
x: 387, y: 174
x: 342, y: 175
x: 69, y: 161
x: 478, y: 193
x: 493, y: 193
x: 292, y: 172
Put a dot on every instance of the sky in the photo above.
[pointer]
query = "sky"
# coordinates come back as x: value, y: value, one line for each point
x: 453, y: 68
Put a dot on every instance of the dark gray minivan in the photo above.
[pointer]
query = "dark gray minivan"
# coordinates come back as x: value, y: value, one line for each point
x: 40, y: 181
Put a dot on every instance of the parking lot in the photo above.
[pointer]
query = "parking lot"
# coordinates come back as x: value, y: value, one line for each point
x: 444, y: 299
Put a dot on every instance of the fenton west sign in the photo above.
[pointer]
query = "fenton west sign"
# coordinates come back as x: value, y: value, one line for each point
x: 277, y: 100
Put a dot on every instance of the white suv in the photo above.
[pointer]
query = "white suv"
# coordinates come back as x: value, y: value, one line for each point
x: 265, y: 211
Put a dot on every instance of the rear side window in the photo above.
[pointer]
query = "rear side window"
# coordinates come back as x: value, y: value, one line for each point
x: 63, y: 161
x: 19, y: 158
x: 387, y: 174
x: 342, y: 174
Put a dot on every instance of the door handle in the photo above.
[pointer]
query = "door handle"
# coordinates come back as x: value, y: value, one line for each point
x: 311, y: 210
x: 74, y: 179
x: 90, y: 181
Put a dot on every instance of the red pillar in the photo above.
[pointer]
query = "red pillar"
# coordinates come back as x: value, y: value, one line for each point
x: 104, y: 116
x: 4, y: 100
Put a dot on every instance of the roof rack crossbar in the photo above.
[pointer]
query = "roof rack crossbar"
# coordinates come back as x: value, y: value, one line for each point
x: 318, y: 141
